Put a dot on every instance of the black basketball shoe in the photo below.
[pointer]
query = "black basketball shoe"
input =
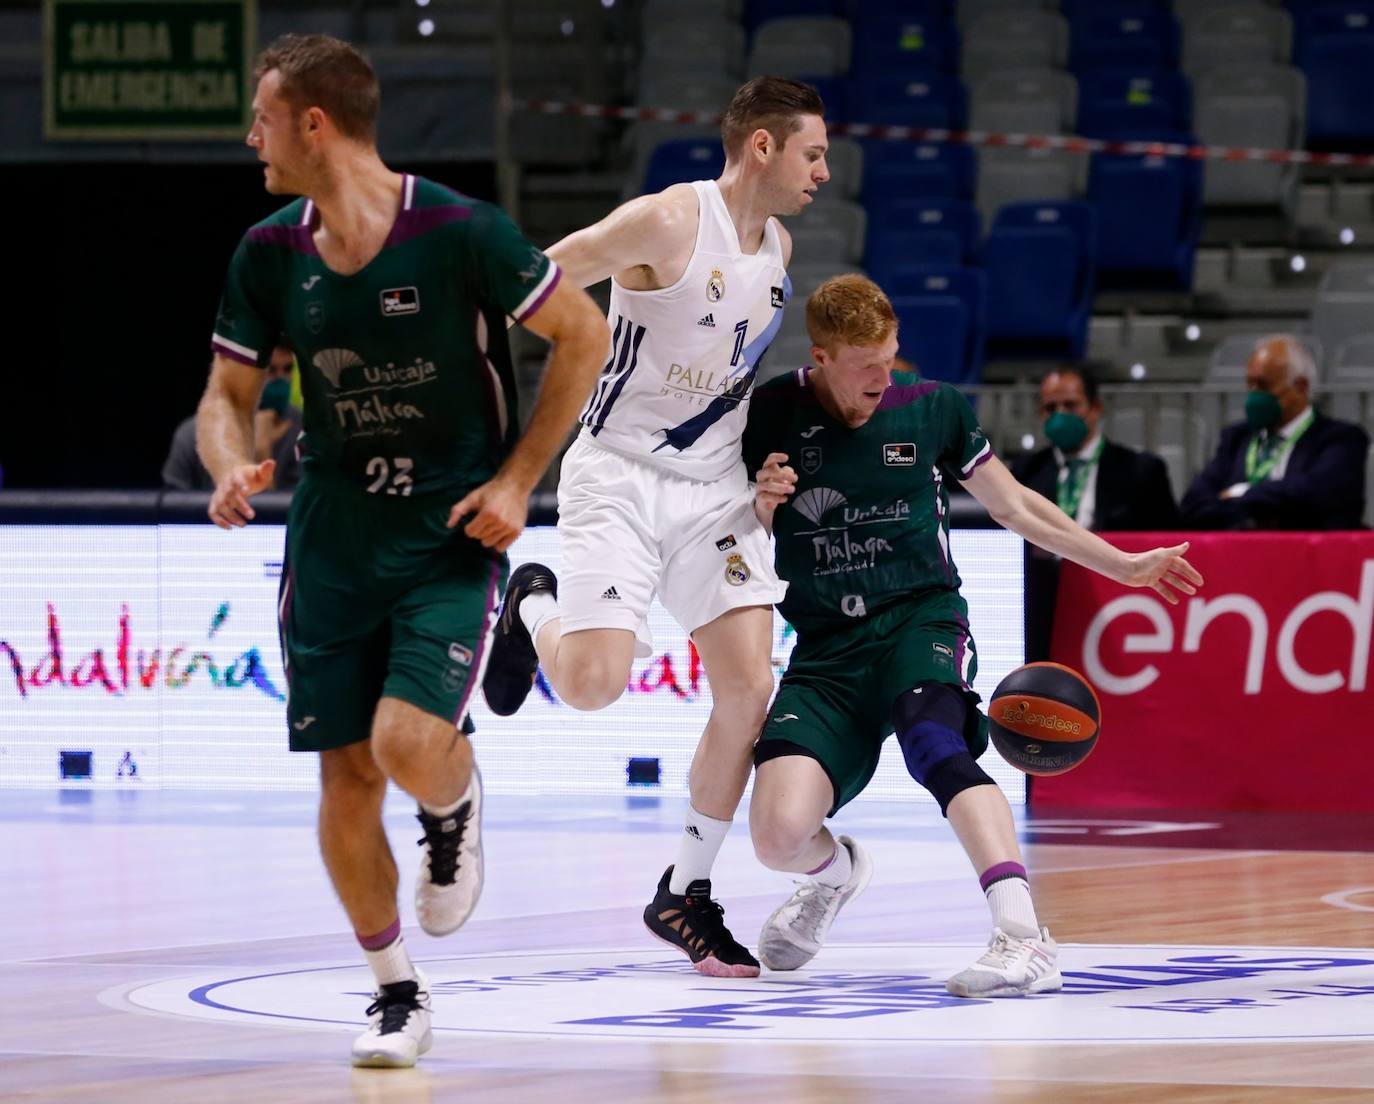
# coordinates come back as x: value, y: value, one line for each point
x: 695, y: 925
x: 513, y: 662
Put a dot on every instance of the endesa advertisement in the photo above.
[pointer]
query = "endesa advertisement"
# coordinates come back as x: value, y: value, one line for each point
x: 148, y: 656
x: 1253, y: 694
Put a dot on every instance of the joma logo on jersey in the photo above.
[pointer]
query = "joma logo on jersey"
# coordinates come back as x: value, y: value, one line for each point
x: 404, y: 300
x: 900, y: 455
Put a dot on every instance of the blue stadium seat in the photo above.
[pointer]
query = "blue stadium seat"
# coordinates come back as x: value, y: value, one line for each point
x: 1074, y: 9
x: 942, y: 314
x: 1102, y: 38
x: 683, y: 159
x: 1335, y: 50
x: 834, y: 94
x: 909, y: 99
x: 905, y: 232
x: 1040, y: 261
x: 902, y: 170
x: 1149, y: 217
x: 1112, y: 102
x: 897, y: 41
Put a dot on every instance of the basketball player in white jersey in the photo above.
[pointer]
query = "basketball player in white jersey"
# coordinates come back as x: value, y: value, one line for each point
x: 654, y: 498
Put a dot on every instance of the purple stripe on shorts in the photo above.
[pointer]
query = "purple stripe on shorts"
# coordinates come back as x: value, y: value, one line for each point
x: 1001, y: 872
x: 383, y: 938
x: 558, y: 275
x: 296, y: 238
x: 421, y: 220
x: 479, y: 655
x: 231, y: 354
x: 908, y: 393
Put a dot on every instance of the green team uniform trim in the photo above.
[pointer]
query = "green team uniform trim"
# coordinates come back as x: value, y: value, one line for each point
x: 863, y: 544
x: 405, y: 365
x: 379, y: 599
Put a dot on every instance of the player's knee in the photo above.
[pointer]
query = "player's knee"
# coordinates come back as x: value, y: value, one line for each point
x: 930, y: 721
x: 592, y: 685
x: 393, y: 746
x: 350, y: 779
x: 779, y: 836
x: 743, y: 694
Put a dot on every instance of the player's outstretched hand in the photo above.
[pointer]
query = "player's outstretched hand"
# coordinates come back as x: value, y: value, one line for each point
x: 773, y: 485
x: 229, y: 504
x: 501, y: 509
x: 1165, y: 571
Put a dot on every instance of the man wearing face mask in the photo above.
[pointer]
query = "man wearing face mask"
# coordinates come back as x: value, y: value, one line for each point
x: 276, y: 425
x: 1102, y: 485
x: 1287, y: 466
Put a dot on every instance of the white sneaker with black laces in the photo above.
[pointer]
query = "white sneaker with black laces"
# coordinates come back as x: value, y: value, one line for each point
x: 450, y: 879
x: 797, y: 929
x: 1011, y: 967
x: 398, y: 1026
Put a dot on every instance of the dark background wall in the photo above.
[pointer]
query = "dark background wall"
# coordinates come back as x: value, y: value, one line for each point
x: 113, y: 283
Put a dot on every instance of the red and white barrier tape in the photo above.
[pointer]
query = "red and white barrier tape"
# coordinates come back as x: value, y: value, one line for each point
x: 1067, y: 143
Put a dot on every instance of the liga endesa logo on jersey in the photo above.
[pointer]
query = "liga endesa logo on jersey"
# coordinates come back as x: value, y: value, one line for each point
x: 125, y: 668
x: 891, y: 994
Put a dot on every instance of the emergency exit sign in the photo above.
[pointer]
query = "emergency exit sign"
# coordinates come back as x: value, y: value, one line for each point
x: 117, y: 70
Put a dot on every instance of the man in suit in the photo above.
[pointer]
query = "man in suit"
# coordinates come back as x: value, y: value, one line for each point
x: 1286, y: 466
x: 1102, y: 485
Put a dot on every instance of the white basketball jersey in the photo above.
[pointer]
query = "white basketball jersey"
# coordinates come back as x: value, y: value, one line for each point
x: 675, y: 391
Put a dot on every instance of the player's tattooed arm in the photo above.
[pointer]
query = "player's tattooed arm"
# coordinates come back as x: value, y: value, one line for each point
x: 1037, y: 519
x: 575, y: 326
x: 224, y: 439
x: 773, y: 485
x: 646, y: 243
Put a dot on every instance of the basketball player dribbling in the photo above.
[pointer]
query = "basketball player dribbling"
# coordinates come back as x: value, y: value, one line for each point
x: 653, y: 497
x: 883, y: 642
x: 394, y: 292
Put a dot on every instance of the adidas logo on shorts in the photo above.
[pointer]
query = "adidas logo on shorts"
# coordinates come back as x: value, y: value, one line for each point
x: 610, y: 595
x: 707, y: 320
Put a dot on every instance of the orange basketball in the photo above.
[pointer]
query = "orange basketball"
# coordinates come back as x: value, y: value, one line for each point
x: 1044, y: 718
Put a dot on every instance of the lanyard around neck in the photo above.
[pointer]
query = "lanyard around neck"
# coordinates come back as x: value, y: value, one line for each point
x: 1073, y: 479
x: 1258, y: 468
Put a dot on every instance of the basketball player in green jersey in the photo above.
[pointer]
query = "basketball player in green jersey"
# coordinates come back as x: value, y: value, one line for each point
x: 395, y: 293
x: 852, y: 460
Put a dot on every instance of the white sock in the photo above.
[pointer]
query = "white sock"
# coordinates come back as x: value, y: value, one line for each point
x: 448, y: 810
x: 697, y: 849
x: 390, y: 963
x: 835, y: 871
x: 1012, y: 908
x: 537, y: 610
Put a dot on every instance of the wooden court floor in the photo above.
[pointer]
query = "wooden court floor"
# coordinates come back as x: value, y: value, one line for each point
x: 159, y: 947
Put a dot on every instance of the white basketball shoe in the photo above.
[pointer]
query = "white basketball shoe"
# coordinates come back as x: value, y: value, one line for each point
x: 797, y: 929
x: 450, y: 879
x: 398, y: 1026
x: 1011, y: 967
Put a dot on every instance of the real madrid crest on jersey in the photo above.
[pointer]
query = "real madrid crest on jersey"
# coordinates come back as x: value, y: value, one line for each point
x: 715, y: 286
x: 736, y: 570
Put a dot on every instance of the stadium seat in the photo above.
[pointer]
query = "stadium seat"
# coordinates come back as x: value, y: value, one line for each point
x: 1149, y: 218
x: 1109, y: 37
x: 842, y: 217
x: 1015, y: 175
x: 969, y: 12
x: 713, y: 43
x: 1234, y: 34
x: 1344, y: 306
x: 942, y: 317
x: 658, y: 10
x: 758, y: 12
x: 1015, y: 39
x: 905, y: 232
x: 900, y: 41
x: 845, y: 160
x: 1132, y: 99
x: 800, y: 44
x: 682, y: 159
x: 1255, y: 106
x: 1334, y: 48
x: 681, y: 92
x: 1040, y: 261
x: 1352, y: 397
x: 899, y: 170
x: 642, y: 139
x: 1025, y: 101
x: 924, y: 100
x: 834, y: 93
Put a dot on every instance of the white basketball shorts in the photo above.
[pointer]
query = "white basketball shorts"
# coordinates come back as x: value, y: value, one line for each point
x: 630, y: 531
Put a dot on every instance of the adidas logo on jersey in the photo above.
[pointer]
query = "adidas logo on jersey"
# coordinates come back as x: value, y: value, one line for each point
x: 610, y: 595
x: 707, y: 320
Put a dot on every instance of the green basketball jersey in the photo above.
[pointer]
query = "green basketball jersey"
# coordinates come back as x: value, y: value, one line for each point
x: 868, y: 524
x: 405, y: 367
